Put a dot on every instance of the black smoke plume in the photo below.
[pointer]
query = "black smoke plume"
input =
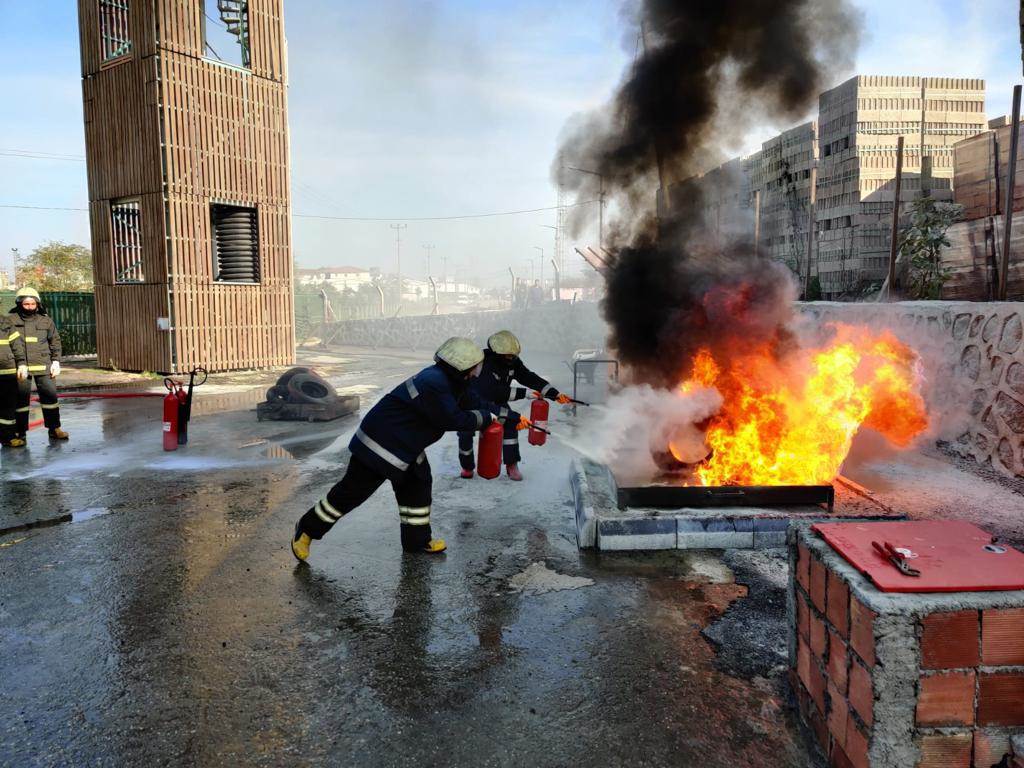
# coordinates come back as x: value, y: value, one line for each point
x: 706, y: 72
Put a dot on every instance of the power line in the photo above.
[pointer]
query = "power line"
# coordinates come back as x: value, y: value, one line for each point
x: 34, y: 155
x: 348, y: 218
x: 41, y: 208
x: 440, y: 218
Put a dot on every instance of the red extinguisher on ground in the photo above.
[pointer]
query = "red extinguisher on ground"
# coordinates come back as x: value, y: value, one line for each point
x: 174, y: 402
x: 488, y: 455
x: 539, y: 421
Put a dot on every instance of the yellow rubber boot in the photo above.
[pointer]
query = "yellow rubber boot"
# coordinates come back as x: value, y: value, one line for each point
x: 300, y: 545
x: 58, y: 434
x: 15, y: 442
x: 435, y: 546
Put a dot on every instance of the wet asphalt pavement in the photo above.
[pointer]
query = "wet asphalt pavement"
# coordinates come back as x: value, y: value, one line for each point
x: 168, y: 623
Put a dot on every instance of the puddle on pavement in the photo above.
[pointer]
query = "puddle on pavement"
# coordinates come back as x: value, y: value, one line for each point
x: 538, y: 579
x: 88, y: 514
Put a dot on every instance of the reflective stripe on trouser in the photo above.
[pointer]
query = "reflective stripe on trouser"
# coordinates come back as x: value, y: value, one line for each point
x: 8, y: 401
x: 412, y: 490
x: 510, y: 443
x: 413, y: 494
x: 466, y: 458
x: 356, y: 486
x: 47, y: 389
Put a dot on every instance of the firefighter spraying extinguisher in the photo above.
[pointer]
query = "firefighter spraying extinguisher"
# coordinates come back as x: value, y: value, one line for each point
x: 488, y: 460
x: 174, y: 403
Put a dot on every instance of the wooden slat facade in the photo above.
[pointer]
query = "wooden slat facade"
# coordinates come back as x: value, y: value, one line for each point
x: 973, y: 256
x: 179, y: 132
x: 980, y: 170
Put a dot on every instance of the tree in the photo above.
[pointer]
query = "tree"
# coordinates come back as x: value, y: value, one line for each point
x: 921, y: 245
x: 56, y: 266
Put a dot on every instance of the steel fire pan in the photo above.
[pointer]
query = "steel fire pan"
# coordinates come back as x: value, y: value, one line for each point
x: 680, y: 496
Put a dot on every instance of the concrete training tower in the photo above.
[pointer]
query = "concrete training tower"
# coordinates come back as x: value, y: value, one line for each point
x: 186, y: 132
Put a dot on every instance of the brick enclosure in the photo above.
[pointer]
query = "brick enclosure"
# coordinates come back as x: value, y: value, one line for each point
x: 887, y: 680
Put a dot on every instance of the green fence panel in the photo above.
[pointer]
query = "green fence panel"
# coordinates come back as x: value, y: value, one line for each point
x: 74, y: 313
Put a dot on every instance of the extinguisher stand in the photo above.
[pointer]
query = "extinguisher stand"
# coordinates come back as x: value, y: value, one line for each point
x: 185, y: 413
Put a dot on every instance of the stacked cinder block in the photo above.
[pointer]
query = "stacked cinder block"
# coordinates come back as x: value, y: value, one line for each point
x: 897, y: 680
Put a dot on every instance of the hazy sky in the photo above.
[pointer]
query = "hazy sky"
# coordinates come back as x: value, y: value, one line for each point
x: 418, y: 109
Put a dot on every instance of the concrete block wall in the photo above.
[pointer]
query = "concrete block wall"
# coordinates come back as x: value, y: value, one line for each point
x: 973, y: 353
x: 897, y: 680
x: 556, y: 327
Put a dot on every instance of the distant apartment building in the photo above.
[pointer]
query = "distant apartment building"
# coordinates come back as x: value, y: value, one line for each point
x: 858, y: 125
x: 782, y: 181
x: 339, y: 278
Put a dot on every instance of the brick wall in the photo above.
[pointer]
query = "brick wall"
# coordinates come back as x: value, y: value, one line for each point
x: 912, y: 683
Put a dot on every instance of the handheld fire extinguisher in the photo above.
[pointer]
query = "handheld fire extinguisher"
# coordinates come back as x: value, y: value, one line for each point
x: 173, y: 402
x: 538, y: 434
x: 488, y: 459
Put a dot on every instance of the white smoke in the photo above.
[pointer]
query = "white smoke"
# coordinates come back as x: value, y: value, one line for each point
x: 640, y: 420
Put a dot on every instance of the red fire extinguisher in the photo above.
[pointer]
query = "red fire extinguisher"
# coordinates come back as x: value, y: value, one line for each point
x: 539, y: 418
x: 488, y: 458
x: 173, y: 403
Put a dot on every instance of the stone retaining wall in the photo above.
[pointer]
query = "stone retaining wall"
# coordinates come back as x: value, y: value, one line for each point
x: 555, y: 327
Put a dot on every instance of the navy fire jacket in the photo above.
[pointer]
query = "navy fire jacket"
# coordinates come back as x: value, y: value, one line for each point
x: 494, y: 384
x: 415, y: 414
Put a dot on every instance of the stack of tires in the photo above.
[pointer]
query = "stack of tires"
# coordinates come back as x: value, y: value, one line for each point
x: 301, y: 385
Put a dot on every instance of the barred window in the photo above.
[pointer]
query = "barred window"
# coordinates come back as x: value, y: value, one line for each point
x: 115, y: 38
x: 236, y: 247
x: 126, y: 241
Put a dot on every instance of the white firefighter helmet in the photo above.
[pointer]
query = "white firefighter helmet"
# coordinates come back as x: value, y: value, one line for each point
x: 504, y: 343
x: 26, y: 293
x: 460, y: 353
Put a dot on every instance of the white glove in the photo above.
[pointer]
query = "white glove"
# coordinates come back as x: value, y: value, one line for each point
x: 22, y: 372
x: 54, y: 369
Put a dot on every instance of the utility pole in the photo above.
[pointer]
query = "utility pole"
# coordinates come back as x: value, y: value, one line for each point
x: 428, y: 249
x: 512, y: 296
x: 560, y: 218
x: 894, y: 233
x: 1011, y: 181
x: 444, y: 272
x: 757, y: 222
x: 538, y: 248
x: 600, y: 202
x: 557, y: 246
x: 811, y: 228
x: 558, y: 281
x: 398, y: 254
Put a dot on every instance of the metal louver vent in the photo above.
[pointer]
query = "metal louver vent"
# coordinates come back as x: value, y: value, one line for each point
x: 235, y: 244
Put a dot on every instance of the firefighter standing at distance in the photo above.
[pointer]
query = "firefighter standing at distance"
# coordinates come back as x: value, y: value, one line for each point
x: 501, y: 367
x: 12, y: 368
x: 42, y: 348
x: 389, y: 445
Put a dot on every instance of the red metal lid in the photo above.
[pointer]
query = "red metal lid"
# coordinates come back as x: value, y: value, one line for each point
x: 952, y: 555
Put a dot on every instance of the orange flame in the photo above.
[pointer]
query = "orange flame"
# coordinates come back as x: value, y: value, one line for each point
x: 792, y: 421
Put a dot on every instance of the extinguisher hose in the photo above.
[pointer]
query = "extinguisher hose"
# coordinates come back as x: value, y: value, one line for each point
x: 91, y: 395
x: 100, y: 395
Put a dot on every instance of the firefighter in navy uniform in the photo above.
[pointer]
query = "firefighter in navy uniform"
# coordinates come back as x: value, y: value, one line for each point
x: 501, y: 367
x: 13, y: 368
x: 389, y: 445
x: 42, y: 348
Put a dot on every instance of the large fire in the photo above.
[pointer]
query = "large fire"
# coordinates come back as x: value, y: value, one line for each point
x: 791, y: 421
